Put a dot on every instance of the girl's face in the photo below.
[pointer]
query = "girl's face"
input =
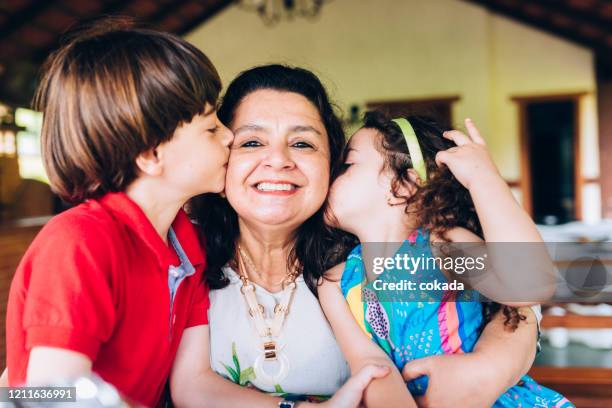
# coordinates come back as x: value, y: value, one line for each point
x: 278, y: 171
x: 361, y: 192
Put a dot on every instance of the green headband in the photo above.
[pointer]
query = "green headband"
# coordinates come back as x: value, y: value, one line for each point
x: 413, y: 148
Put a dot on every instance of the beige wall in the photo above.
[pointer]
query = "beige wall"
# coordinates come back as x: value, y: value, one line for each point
x: 390, y: 49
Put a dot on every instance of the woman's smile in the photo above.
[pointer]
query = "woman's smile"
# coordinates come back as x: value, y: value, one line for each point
x: 278, y: 187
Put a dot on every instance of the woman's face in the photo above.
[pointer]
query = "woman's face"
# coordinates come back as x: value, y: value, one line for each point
x: 278, y: 170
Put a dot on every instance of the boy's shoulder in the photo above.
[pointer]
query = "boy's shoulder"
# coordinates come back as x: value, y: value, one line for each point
x: 84, y: 224
x: 85, y: 215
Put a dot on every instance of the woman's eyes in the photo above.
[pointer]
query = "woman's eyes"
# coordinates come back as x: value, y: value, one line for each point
x: 302, y: 145
x: 256, y: 143
x: 251, y: 143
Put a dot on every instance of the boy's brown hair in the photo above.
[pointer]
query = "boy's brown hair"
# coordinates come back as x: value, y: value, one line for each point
x: 111, y: 92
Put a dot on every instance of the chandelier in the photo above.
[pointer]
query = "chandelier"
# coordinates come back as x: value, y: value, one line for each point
x: 273, y: 11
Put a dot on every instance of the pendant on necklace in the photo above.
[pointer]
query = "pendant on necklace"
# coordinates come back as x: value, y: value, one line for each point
x: 271, y: 354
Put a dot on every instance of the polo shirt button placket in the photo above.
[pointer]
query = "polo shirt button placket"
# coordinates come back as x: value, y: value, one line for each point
x: 176, y: 274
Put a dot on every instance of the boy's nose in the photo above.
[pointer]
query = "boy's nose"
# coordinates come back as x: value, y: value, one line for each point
x: 228, y: 136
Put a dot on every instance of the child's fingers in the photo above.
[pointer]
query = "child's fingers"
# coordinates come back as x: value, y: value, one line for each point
x: 415, y: 369
x: 458, y: 137
x: 362, y: 379
x: 443, y: 156
x: 474, y: 132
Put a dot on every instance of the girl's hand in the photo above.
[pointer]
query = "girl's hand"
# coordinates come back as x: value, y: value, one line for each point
x: 351, y: 393
x: 459, y: 380
x: 469, y: 161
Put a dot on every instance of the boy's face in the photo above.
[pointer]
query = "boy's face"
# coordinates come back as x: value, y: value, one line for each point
x: 195, y: 159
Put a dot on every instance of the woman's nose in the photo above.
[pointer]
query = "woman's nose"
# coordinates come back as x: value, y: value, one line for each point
x: 278, y: 157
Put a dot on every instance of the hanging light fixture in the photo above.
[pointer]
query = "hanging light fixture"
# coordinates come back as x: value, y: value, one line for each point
x: 273, y: 11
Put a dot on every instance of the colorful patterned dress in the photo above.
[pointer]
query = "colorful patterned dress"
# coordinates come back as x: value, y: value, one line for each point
x: 416, y: 324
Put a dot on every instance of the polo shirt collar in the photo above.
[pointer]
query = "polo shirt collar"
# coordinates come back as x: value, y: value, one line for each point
x: 131, y: 215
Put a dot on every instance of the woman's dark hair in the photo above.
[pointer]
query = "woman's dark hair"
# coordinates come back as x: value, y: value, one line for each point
x: 441, y: 202
x: 218, y: 219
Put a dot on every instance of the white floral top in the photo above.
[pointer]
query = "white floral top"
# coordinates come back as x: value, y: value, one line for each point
x: 316, y: 364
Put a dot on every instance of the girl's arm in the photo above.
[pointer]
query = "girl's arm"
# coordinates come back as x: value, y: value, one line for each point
x: 358, y: 349
x: 502, y: 218
x: 498, y: 286
x: 193, y: 383
x: 523, y: 273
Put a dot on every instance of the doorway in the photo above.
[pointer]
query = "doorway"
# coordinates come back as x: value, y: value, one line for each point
x: 550, y: 158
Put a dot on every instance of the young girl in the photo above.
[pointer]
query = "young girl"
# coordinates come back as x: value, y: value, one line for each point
x: 404, y: 181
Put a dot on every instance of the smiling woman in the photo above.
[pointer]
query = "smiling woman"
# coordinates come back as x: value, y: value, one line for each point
x: 266, y: 243
x: 267, y: 247
x: 279, y: 166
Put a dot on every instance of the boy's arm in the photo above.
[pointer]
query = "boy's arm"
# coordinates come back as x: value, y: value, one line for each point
x: 358, y: 349
x: 48, y: 364
x: 68, y: 310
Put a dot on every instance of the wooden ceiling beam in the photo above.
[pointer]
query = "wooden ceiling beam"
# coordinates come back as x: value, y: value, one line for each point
x: 110, y: 8
x: 24, y: 16
x: 214, y: 7
x: 546, y: 25
x: 593, y: 18
x: 165, y: 11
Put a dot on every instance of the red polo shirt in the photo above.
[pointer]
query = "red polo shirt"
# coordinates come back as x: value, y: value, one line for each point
x: 95, y: 281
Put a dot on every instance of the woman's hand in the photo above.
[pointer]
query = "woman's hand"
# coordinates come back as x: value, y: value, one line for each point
x: 499, y: 359
x: 469, y: 161
x: 454, y: 380
x: 351, y: 393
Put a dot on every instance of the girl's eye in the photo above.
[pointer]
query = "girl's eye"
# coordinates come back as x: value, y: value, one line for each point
x: 212, y: 130
x: 344, y: 167
x: 302, y: 145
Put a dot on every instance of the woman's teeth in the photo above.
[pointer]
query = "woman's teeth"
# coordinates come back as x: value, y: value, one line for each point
x: 275, y: 187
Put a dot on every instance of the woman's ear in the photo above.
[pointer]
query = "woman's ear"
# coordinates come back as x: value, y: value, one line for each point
x: 403, y: 189
x: 149, y: 162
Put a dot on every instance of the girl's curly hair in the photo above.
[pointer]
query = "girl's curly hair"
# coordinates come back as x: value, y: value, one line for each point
x: 441, y: 202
